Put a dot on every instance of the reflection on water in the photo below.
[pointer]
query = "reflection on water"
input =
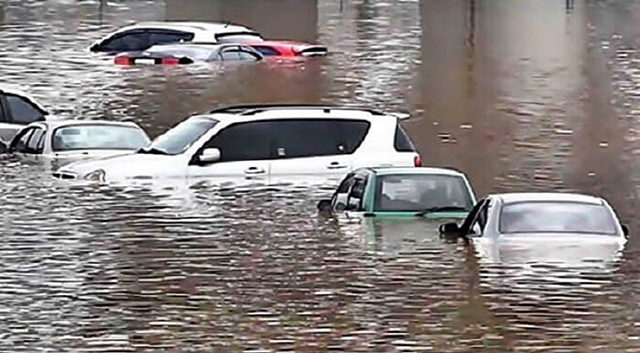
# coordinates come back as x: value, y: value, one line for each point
x: 521, y: 95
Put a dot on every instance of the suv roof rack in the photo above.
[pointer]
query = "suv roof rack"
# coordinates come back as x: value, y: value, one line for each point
x: 250, y: 109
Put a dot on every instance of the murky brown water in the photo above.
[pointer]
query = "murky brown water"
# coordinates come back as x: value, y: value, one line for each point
x: 521, y: 95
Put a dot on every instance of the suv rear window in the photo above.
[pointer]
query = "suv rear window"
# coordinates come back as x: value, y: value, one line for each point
x: 321, y: 137
x: 401, y: 141
x: 241, y: 37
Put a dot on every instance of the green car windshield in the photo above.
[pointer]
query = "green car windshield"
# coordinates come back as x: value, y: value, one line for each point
x: 421, y: 192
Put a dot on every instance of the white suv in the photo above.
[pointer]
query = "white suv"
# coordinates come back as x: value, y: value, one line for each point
x: 264, y: 142
x: 141, y: 36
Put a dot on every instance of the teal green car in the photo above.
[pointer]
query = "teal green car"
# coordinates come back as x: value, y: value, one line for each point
x: 433, y: 193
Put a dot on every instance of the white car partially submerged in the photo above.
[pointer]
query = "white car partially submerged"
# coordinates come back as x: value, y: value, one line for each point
x: 542, y: 227
x: 143, y: 35
x: 17, y: 109
x: 264, y: 143
x: 60, y: 142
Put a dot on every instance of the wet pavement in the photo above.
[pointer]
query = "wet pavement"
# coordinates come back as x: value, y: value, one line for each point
x: 521, y: 95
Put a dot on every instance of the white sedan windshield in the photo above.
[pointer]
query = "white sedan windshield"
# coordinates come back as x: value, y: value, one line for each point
x: 89, y: 137
x: 556, y: 217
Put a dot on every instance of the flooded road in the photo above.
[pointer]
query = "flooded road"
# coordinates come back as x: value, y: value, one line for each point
x: 521, y: 95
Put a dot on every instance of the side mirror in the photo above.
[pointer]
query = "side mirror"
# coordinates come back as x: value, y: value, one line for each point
x: 209, y: 155
x: 449, y: 229
x: 324, y: 205
x: 625, y: 230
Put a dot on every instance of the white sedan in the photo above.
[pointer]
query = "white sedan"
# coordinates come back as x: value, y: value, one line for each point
x: 64, y: 141
x: 542, y: 227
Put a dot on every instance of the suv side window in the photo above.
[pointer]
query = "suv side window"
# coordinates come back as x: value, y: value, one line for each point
x: 401, y: 142
x: 23, y: 111
x: 166, y: 37
x: 126, y: 41
x: 243, y: 142
x: 318, y: 137
x: 355, y: 201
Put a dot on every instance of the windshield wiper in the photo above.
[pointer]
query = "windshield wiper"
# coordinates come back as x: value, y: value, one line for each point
x: 441, y: 209
x: 152, y: 150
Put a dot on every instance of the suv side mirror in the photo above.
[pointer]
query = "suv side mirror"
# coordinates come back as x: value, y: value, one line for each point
x: 625, y: 230
x: 324, y: 206
x: 209, y: 155
x: 450, y: 229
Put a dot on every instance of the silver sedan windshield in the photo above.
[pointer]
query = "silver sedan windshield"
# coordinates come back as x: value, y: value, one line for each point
x: 556, y: 217
x: 88, y: 137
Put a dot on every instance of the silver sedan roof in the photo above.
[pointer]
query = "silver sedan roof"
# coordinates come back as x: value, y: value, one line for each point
x: 548, y: 197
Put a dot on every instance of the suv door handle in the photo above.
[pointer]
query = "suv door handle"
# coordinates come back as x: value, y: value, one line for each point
x: 336, y: 165
x: 254, y: 170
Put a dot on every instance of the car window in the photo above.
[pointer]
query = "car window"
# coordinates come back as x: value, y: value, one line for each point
x: 248, y: 56
x: 556, y: 217
x: 3, y: 116
x: 480, y: 221
x: 230, y: 54
x: 356, y: 195
x: 20, y: 143
x: 401, y: 142
x: 127, y: 41
x: 243, y: 142
x: 339, y: 199
x: 34, y: 141
x: 166, y: 37
x: 421, y: 192
x: 266, y: 51
x: 23, y: 111
x: 318, y: 137
x: 466, y: 227
x: 244, y: 37
x: 87, y: 137
x: 182, y: 136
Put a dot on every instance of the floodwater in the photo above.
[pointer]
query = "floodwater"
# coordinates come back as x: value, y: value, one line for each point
x: 519, y: 94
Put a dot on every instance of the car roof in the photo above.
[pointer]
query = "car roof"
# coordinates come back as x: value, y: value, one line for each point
x: 414, y: 170
x: 54, y: 124
x: 217, y: 27
x: 549, y: 197
x: 247, y: 112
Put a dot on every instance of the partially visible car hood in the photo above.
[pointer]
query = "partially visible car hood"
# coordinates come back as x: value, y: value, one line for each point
x: 130, y: 166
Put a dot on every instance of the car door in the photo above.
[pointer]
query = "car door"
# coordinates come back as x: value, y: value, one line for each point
x: 34, y: 146
x: 20, y: 144
x: 315, y: 147
x: 244, y: 153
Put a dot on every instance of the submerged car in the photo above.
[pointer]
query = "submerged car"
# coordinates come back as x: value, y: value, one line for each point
x: 270, y: 143
x: 65, y: 141
x: 140, y: 36
x: 17, y: 110
x: 402, y: 192
x: 188, y: 53
x: 540, y: 227
x: 288, y: 48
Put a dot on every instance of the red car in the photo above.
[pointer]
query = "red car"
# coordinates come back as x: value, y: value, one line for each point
x: 287, y: 48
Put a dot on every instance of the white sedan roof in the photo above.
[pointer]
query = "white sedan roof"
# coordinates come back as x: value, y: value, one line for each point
x: 549, y: 197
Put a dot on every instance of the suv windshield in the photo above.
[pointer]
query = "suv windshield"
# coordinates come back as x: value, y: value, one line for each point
x: 421, y: 192
x: 556, y: 217
x: 181, y: 137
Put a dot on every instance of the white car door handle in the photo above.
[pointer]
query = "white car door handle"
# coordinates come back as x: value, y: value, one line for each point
x: 336, y: 165
x: 254, y: 170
